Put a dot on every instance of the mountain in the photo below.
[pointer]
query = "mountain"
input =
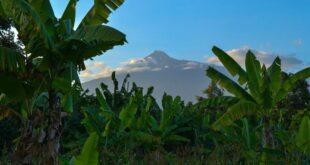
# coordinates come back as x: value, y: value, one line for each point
x: 175, y: 77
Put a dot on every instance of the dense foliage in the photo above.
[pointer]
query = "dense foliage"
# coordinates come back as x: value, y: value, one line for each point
x: 124, y: 124
x: 42, y: 78
x: 47, y: 118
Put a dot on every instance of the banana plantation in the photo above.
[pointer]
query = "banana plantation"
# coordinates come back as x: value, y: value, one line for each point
x: 46, y: 117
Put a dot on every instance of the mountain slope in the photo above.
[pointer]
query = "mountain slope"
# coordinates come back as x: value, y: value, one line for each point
x: 175, y: 77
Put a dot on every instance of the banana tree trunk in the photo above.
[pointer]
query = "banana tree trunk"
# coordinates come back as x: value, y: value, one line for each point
x: 54, y: 129
x: 39, y: 141
x: 268, y: 141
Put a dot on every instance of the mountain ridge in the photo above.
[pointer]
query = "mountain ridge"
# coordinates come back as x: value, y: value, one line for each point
x: 175, y: 77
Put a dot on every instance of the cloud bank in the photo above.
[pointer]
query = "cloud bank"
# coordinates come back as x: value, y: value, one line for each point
x: 99, y: 69
x: 160, y: 61
x: 94, y: 70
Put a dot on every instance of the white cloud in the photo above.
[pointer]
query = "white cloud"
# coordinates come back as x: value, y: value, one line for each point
x: 133, y: 65
x: 99, y: 69
x: 94, y: 70
x: 288, y: 62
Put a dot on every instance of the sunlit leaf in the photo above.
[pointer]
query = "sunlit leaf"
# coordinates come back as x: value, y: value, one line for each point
x: 89, y: 154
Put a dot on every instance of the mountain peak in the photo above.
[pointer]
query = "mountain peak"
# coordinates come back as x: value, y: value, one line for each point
x: 160, y: 59
x: 158, y: 54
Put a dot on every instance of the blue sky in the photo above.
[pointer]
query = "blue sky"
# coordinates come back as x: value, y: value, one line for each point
x: 187, y: 29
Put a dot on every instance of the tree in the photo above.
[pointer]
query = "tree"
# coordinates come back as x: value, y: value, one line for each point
x: 298, y: 98
x: 258, y: 90
x: 212, y: 91
x: 9, y: 124
x: 8, y: 37
x: 42, y: 79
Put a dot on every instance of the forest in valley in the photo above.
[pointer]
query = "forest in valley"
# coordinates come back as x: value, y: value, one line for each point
x: 46, y: 117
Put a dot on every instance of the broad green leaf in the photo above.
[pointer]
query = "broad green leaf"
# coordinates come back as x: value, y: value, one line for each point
x: 89, y: 154
x: 291, y: 81
x: 124, y: 87
x: 104, y: 105
x: 303, y: 136
x: 171, y: 107
x: 115, y: 82
x: 230, y: 64
x: 107, y: 129
x: 144, y: 114
x: 73, y: 72
x: 236, y: 112
x: 2, y: 14
x: 66, y: 31
x: 62, y: 84
x: 150, y: 91
x: 31, y: 28
x: 11, y: 60
x: 99, y: 32
x: 100, y: 12
x: 289, y: 84
x: 70, y: 12
x: 127, y: 114
x: 246, y: 133
x: 274, y: 72
x: 267, y: 98
x: 254, y: 75
x: 44, y: 9
x: 153, y: 124
x: 67, y: 103
x: 93, y: 120
x: 168, y: 129
x: 96, y: 40
x: 218, y: 101
x: 228, y: 84
x: 143, y: 137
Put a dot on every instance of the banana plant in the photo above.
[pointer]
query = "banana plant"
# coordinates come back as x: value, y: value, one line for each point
x: 121, y: 109
x: 303, y: 136
x: 54, y: 52
x: 128, y: 116
x: 257, y: 91
x: 171, y: 122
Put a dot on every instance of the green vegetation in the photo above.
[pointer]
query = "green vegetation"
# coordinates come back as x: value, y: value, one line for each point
x: 47, y: 118
x: 42, y: 78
